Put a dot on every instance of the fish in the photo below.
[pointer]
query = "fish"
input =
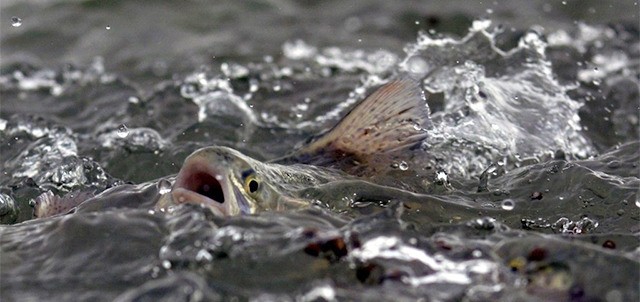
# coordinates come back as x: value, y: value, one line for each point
x: 47, y: 204
x: 373, y: 143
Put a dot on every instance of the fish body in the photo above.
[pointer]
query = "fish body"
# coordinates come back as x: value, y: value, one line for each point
x: 47, y: 204
x: 231, y: 183
x: 372, y: 142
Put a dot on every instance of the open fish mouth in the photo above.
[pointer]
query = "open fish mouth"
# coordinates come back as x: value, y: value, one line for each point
x: 198, y: 183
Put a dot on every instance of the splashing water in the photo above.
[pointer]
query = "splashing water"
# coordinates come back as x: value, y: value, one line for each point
x: 531, y: 163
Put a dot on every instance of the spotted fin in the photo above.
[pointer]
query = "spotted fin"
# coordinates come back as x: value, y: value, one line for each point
x: 47, y: 204
x: 391, y: 119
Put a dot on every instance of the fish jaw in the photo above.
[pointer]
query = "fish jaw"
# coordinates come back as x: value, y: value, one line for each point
x: 206, y: 179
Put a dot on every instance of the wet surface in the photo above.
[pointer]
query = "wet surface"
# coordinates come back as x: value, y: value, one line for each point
x: 528, y: 178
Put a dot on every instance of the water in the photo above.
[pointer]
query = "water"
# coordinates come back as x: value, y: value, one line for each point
x: 533, y: 153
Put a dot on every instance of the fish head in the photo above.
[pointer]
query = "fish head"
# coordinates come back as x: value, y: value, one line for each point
x: 222, y: 179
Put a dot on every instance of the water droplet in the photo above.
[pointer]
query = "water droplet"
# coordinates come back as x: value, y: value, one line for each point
x: 508, y: 204
x: 403, y: 166
x: 489, y: 11
x: 298, y: 50
x: 417, y: 22
x: 123, y: 131
x: 134, y: 100
x: 166, y: 264
x: 164, y: 186
x: 277, y: 87
x: 15, y: 21
x: 476, y: 253
x: 203, y: 255
x: 108, y: 27
x: 417, y: 64
x: 638, y: 202
x: 442, y: 177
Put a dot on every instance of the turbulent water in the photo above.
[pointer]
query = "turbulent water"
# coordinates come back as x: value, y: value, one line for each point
x: 533, y: 153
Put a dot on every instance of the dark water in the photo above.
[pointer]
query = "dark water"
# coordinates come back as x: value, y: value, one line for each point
x: 535, y: 107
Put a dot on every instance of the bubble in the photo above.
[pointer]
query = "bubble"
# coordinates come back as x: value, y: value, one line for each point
x: 638, y: 202
x: 123, y: 131
x: 107, y: 27
x: 508, y: 204
x: 166, y: 264
x: 403, y: 166
x: 164, y: 186
x: 15, y: 21
x: 155, y: 272
x: 614, y: 164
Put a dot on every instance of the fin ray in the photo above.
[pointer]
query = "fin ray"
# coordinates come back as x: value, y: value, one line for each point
x: 391, y: 119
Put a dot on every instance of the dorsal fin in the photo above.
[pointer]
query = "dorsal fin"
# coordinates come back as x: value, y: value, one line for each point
x: 390, y: 119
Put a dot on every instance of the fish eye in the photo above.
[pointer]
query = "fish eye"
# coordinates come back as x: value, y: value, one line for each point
x: 251, y: 184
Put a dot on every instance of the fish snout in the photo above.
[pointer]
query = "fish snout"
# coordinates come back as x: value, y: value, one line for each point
x: 199, y: 182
